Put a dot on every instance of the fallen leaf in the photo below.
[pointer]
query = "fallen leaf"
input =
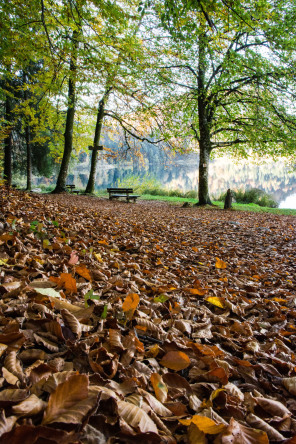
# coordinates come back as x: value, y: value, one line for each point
x: 175, y: 360
x: 220, y: 264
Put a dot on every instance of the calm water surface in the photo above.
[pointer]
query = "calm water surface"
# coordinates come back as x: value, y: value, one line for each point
x: 182, y: 173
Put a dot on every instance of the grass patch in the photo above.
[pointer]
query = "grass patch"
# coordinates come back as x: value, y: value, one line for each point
x: 220, y: 205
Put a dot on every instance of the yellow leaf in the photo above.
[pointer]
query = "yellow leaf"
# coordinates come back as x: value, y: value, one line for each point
x: 152, y: 352
x: 130, y: 304
x: 159, y: 387
x: 215, y: 393
x: 98, y: 257
x: 215, y: 300
x: 205, y: 424
x: 220, y: 264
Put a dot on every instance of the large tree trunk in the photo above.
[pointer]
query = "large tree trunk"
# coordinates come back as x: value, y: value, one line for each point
x: 68, y: 135
x: 29, y: 157
x: 7, y: 173
x: 28, y: 134
x: 204, y: 126
x: 94, y: 158
x: 203, y: 180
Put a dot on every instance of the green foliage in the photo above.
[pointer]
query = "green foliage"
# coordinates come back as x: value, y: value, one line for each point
x: 253, y: 195
x: 161, y: 298
x: 90, y: 295
x: 104, y: 312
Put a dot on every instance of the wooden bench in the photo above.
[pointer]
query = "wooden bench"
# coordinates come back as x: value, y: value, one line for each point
x: 116, y: 193
x: 71, y: 188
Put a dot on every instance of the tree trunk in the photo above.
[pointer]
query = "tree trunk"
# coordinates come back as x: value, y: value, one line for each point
x: 29, y: 157
x: 203, y: 180
x: 7, y: 173
x: 27, y: 134
x: 68, y: 135
x: 94, y: 157
x: 204, y: 126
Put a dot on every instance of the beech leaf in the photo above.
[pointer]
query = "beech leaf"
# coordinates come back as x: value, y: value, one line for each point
x: 175, y: 360
x: 136, y: 417
x: 70, y: 402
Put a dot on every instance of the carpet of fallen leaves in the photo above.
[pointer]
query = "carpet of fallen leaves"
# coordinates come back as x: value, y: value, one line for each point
x: 145, y: 323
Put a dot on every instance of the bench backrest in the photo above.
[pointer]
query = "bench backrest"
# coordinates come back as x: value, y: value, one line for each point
x: 120, y: 190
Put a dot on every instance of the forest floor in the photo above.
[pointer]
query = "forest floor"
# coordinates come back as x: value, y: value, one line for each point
x: 146, y: 321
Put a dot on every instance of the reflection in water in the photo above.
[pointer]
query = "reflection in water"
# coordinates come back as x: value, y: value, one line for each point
x: 289, y: 202
x: 182, y: 173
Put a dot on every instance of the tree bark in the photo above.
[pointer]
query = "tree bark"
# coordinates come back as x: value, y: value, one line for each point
x: 28, y: 136
x: 68, y: 135
x: 7, y: 173
x: 204, y: 126
x: 203, y: 180
x: 94, y: 157
x: 29, y: 157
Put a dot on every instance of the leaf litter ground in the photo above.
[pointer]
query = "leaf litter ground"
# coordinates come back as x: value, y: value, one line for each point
x: 146, y: 321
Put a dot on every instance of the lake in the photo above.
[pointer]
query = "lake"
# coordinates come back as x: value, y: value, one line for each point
x: 182, y: 173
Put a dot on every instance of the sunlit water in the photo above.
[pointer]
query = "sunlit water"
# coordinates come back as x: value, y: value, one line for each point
x: 182, y: 173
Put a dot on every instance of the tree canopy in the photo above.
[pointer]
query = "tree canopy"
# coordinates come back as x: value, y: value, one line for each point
x: 211, y: 75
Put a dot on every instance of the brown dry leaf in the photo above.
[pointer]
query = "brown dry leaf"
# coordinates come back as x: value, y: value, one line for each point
x: 72, y: 322
x: 68, y: 282
x: 290, y: 384
x: 83, y: 271
x: 236, y: 433
x: 136, y: 417
x: 6, y: 424
x: 159, y: 387
x: 32, y: 355
x: 70, y: 402
x: 115, y: 340
x: 30, y: 406
x: 175, y: 360
x: 14, y: 340
x: 156, y: 405
x: 3, y: 348
x: 9, y: 377
x: 273, y: 407
x: 195, y: 435
x: 103, y: 362
x: 258, y: 423
x: 130, y: 304
x: 29, y: 434
x: 56, y: 379
x: 206, y: 350
x: 13, y: 365
x: 12, y: 396
x: 50, y: 345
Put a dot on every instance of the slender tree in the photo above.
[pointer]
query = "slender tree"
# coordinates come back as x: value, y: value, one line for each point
x: 68, y: 135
